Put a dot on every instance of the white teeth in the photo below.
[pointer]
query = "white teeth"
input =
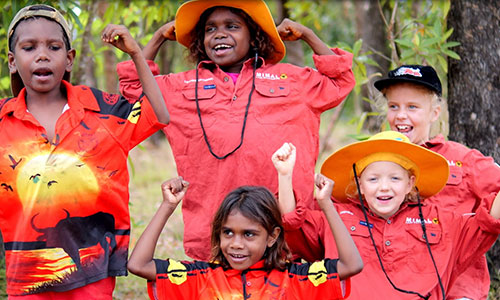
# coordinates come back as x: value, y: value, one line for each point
x: 222, y: 46
x: 403, y: 127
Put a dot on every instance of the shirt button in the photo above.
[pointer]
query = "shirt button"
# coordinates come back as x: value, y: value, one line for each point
x: 387, y: 243
x: 249, y: 283
x: 271, y: 91
x: 226, y: 79
x: 389, y: 221
x: 353, y: 228
x: 235, y: 97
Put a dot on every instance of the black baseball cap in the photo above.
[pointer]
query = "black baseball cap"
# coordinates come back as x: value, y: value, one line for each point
x: 423, y: 75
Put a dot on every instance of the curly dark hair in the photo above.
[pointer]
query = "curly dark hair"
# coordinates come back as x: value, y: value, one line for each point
x: 259, y: 40
x: 258, y: 204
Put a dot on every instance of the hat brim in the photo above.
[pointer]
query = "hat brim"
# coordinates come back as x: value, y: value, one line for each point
x: 433, y: 167
x: 189, y: 13
x: 386, y: 82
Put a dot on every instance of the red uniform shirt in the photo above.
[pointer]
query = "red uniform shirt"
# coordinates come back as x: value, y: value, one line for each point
x: 473, y: 176
x: 285, y: 107
x: 204, y: 281
x: 455, y: 240
x: 64, y: 216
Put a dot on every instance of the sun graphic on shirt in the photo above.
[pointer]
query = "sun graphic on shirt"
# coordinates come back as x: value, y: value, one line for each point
x: 56, y: 179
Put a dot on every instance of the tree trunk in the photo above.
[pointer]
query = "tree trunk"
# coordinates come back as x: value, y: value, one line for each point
x: 110, y: 77
x: 85, y: 71
x: 371, y: 29
x: 474, y: 84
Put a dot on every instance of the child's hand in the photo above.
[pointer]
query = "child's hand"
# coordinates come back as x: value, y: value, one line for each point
x: 324, y: 187
x: 119, y: 36
x: 284, y: 159
x: 168, y: 31
x: 174, y: 190
x: 290, y: 30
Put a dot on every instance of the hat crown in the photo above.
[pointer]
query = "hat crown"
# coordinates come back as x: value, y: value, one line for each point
x: 390, y: 135
x: 417, y: 74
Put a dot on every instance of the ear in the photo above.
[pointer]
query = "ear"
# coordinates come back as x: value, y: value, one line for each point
x: 436, y: 111
x: 12, y: 63
x: 70, y: 57
x: 273, y: 237
x: 411, y: 183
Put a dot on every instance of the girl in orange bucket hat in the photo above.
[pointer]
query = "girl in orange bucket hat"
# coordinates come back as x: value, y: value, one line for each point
x: 240, y: 103
x: 411, y: 249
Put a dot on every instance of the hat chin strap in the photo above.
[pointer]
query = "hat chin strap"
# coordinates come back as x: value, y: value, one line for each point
x: 244, y: 119
x: 363, y: 208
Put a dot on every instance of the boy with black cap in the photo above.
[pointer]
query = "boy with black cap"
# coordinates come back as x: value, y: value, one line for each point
x: 63, y: 163
x: 413, y: 94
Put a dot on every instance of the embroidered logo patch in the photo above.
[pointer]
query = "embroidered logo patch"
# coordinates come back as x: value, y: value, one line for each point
x: 209, y: 86
x: 408, y: 71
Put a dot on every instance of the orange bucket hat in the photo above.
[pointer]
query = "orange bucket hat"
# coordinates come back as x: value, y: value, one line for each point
x: 189, y: 13
x: 37, y: 10
x: 430, y: 168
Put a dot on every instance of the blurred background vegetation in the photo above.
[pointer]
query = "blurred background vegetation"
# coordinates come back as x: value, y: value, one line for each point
x: 381, y: 34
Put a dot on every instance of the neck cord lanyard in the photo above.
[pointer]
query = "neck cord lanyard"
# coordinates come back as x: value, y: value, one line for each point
x: 375, y: 247
x: 244, y: 119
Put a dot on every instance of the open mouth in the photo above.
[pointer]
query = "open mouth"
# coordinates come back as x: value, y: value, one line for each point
x: 404, y: 128
x: 384, y: 198
x: 43, y: 72
x: 221, y: 48
x: 237, y: 257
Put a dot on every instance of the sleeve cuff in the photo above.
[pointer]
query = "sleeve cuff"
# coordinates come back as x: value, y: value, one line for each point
x: 333, y: 65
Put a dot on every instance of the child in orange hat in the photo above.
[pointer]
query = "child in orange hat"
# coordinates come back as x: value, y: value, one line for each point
x: 63, y: 163
x: 410, y: 249
x: 413, y: 97
x: 240, y: 103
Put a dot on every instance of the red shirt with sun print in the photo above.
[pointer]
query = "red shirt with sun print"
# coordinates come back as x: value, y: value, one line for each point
x: 64, y: 217
x: 205, y: 281
x: 286, y: 106
x: 456, y: 241
x: 472, y: 177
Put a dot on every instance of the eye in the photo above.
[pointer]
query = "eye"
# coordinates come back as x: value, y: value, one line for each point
x: 249, y: 234
x: 54, y: 47
x: 372, y: 179
x: 27, y: 48
x: 233, y: 26
x: 209, y: 28
x: 393, y: 106
x: 395, y: 178
x: 227, y: 232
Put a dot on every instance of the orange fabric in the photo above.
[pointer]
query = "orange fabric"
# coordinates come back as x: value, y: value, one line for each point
x: 472, y: 177
x: 204, y: 281
x: 456, y: 242
x: 100, y: 290
x: 286, y: 107
x: 64, y: 216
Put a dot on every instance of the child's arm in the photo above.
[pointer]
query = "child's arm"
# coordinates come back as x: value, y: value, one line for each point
x: 164, y: 33
x: 292, y: 31
x: 119, y: 36
x: 284, y: 161
x: 141, y: 261
x: 350, y: 262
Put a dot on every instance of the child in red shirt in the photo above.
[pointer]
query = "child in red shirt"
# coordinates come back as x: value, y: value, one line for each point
x: 410, y: 249
x: 249, y: 252
x: 240, y: 104
x: 63, y: 163
x: 412, y: 95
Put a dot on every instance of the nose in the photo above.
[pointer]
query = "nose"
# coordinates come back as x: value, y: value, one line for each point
x: 384, y: 184
x: 401, y: 114
x: 220, y: 34
x: 236, y: 242
x: 42, y: 54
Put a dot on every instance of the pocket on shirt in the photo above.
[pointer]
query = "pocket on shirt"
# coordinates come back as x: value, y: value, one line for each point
x: 361, y: 236
x: 419, y: 259
x: 273, y: 104
x: 455, y: 177
x: 206, y: 98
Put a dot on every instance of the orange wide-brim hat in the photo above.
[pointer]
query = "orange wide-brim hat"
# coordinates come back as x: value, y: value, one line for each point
x: 189, y: 13
x: 430, y: 168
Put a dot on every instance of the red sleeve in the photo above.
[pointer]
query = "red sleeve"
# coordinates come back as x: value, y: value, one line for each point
x: 130, y: 85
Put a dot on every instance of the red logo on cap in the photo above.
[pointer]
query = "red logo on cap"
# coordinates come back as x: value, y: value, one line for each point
x: 408, y: 71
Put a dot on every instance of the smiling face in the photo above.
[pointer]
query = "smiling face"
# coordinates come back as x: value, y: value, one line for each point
x: 40, y: 56
x: 384, y: 186
x: 411, y: 110
x: 227, y: 40
x: 243, y: 241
